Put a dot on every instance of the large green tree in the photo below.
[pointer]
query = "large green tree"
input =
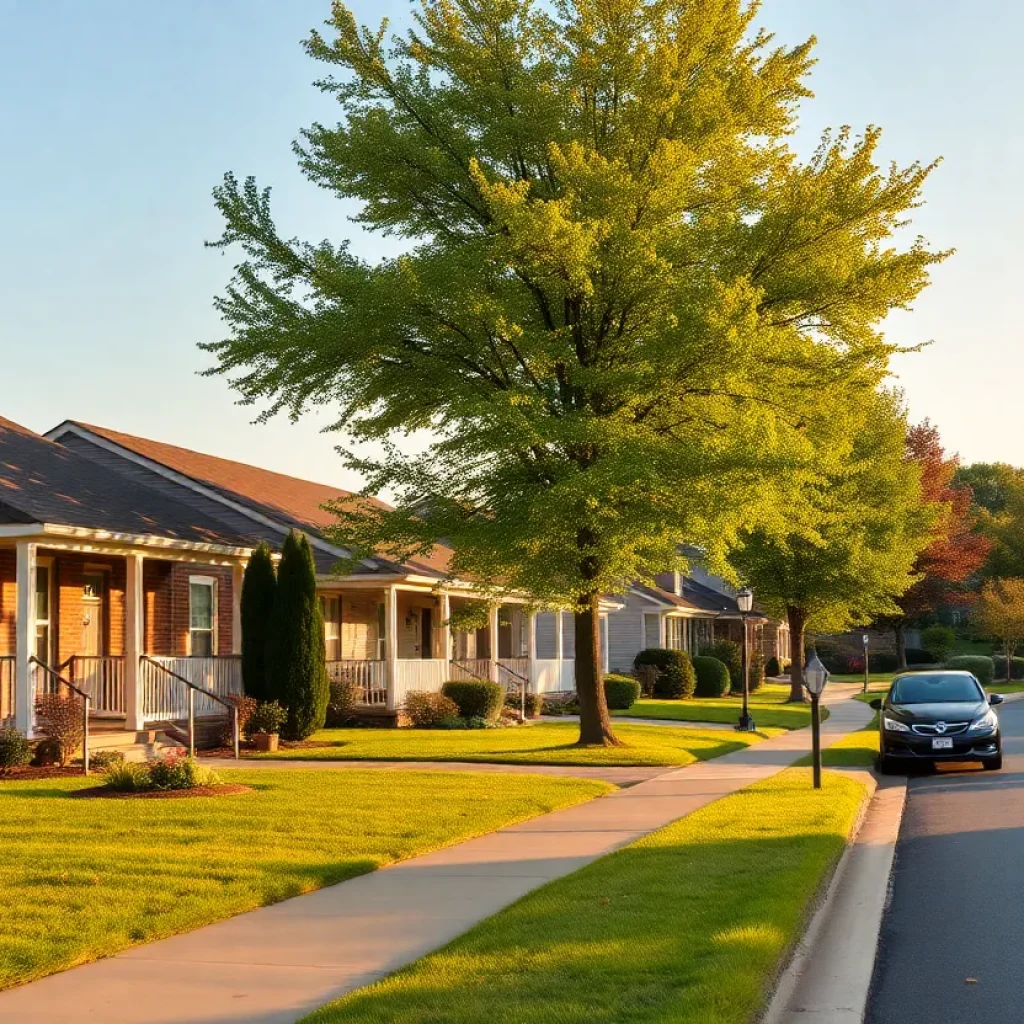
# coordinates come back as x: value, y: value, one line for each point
x: 998, y: 491
x: 296, y: 658
x: 259, y: 584
x: 854, y: 536
x: 621, y: 295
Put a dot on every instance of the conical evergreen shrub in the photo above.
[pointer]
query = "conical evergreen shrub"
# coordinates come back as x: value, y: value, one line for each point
x: 296, y: 659
x: 259, y: 585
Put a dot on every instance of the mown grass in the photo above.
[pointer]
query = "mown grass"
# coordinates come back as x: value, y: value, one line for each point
x: 768, y: 709
x: 685, y: 926
x: 538, y: 743
x: 83, y: 879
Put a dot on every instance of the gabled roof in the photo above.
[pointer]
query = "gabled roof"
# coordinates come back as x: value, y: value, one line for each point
x: 696, y: 597
x: 42, y: 482
x: 285, y: 500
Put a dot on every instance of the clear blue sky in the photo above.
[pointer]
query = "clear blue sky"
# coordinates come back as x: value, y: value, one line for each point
x: 119, y: 116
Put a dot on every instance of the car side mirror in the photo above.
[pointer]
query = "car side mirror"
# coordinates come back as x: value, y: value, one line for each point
x: 995, y: 698
x: 876, y: 704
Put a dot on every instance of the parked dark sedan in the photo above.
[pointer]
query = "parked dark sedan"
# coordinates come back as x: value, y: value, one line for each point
x: 938, y: 716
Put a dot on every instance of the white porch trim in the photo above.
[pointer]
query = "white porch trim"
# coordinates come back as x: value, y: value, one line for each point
x: 24, y: 638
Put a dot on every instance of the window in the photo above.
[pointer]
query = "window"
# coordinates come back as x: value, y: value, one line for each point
x: 652, y: 630
x: 43, y: 605
x: 330, y: 607
x: 202, y: 616
x: 382, y: 632
x: 675, y: 633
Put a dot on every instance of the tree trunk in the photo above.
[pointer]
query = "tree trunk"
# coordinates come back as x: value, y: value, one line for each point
x: 595, y: 722
x: 901, y: 645
x: 797, y: 620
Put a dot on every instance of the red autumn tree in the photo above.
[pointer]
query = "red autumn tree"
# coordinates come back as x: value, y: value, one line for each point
x: 957, y: 552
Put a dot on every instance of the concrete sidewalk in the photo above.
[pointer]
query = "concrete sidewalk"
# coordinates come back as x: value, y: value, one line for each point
x: 273, y: 965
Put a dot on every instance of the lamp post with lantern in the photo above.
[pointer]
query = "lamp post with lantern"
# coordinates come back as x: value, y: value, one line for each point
x: 815, y: 678
x: 866, y: 638
x: 745, y: 601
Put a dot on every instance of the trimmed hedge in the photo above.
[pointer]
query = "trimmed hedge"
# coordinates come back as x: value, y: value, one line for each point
x: 712, y: 677
x: 621, y: 692
x: 919, y: 656
x: 730, y: 654
x: 677, y: 679
x: 939, y: 641
x: 982, y: 667
x: 1016, y: 668
x: 773, y: 667
x: 476, y: 698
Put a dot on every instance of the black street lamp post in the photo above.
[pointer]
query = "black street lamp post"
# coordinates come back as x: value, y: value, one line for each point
x: 745, y: 600
x: 815, y: 678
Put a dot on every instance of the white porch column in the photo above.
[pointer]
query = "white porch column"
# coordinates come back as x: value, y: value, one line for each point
x: 603, y: 620
x: 25, y: 638
x: 134, y: 643
x: 559, y: 644
x: 492, y: 642
x: 531, y: 647
x: 237, y: 572
x: 445, y: 632
x: 391, y: 643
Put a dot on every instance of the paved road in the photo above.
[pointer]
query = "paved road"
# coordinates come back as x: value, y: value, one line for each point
x: 957, y: 906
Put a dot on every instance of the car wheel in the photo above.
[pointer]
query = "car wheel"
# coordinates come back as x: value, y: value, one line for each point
x: 884, y: 765
x: 993, y: 764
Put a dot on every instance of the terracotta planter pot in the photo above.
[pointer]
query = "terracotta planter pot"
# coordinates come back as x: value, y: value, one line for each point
x: 266, y: 742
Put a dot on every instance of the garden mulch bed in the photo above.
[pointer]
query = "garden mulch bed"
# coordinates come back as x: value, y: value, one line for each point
x: 28, y: 773
x: 105, y: 793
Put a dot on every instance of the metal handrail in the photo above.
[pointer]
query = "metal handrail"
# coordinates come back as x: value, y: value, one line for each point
x: 192, y: 690
x: 33, y: 660
x: 523, y: 684
x: 462, y: 663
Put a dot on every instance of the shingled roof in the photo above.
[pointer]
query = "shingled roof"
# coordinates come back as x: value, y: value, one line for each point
x: 43, y: 482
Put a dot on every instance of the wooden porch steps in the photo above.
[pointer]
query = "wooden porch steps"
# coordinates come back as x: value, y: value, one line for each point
x: 136, y: 746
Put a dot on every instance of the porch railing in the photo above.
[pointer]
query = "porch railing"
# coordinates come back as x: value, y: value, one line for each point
x: 418, y: 674
x: 469, y: 669
x: 53, y: 682
x: 7, y: 690
x: 175, y: 689
x: 368, y: 676
x: 163, y: 699
x: 102, y: 677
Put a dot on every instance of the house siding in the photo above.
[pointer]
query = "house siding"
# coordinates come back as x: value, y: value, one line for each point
x: 625, y: 632
x: 8, y: 599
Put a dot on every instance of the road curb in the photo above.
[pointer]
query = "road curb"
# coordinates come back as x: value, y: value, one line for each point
x: 828, y: 976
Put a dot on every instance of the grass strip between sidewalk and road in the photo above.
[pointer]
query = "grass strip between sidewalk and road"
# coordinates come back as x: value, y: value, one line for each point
x: 686, y: 926
x: 87, y: 878
x: 537, y: 743
x: 768, y: 712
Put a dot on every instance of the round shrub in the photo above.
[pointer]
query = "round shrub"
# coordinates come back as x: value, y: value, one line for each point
x: 429, y: 710
x: 532, y: 702
x: 475, y: 698
x: 773, y: 667
x: 341, y: 704
x: 178, y: 771
x: 15, y: 750
x: 756, y: 672
x: 712, y: 677
x: 621, y: 692
x: 730, y: 654
x: 882, y: 661
x: 1016, y: 667
x: 565, y: 702
x: 919, y: 656
x: 267, y: 717
x: 982, y: 667
x: 676, y: 678
x: 939, y: 641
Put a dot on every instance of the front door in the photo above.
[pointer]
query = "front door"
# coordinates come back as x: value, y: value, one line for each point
x: 426, y: 634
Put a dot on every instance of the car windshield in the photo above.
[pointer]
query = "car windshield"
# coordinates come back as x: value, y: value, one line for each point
x: 935, y: 689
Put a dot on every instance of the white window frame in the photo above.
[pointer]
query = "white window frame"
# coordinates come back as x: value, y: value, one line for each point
x: 211, y: 582
x: 45, y: 563
x: 331, y: 622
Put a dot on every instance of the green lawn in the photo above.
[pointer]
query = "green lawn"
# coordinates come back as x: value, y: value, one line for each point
x: 685, y: 926
x: 538, y: 743
x: 767, y: 706
x: 83, y: 879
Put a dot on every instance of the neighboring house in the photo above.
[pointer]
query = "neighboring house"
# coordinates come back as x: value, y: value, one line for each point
x: 386, y: 624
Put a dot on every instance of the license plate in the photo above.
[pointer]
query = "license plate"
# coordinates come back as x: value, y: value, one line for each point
x: 943, y: 743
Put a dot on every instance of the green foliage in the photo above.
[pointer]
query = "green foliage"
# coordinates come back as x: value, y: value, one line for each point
x: 127, y: 777
x: 15, y: 750
x: 999, y: 667
x: 621, y: 692
x: 177, y: 771
x: 534, y: 703
x: 267, y: 717
x: 429, y: 710
x: 999, y: 503
x: 676, y: 679
x: 60, y: 719
x: 296, y: 668
x: 625, y: 297
x: 915, y: 656
x: 476, y: 698
x: 730, y: 654
x: 712, y: 677
x: 773, y: 667
x: 982, y: 667
x: 938, y: 642
x: 101, y: 760
x: 343, y: 699
x: 259, y: 585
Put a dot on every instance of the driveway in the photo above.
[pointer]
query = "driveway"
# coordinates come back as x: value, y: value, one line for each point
x: 950, y: 951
